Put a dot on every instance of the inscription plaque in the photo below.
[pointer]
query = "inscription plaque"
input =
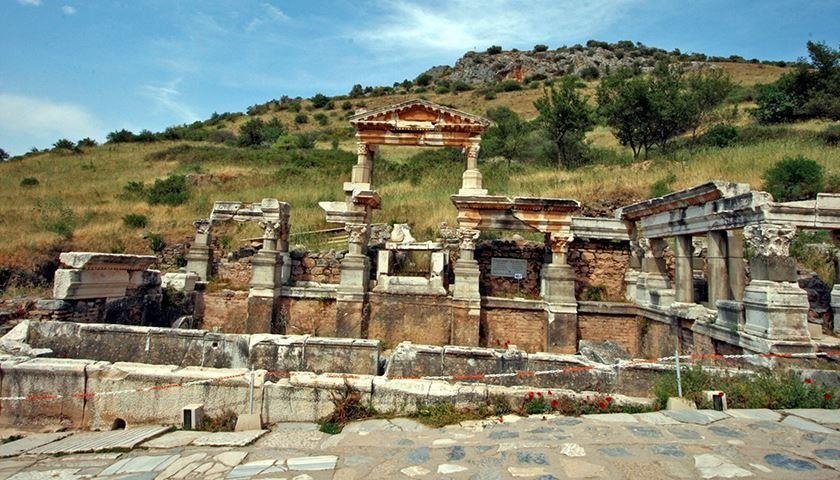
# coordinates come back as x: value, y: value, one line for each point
x: 508, y: 267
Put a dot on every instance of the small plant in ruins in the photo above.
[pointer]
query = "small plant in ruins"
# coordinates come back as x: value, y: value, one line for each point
x: 348, y: 406
x: 135, y: 220
x: 156, y: 242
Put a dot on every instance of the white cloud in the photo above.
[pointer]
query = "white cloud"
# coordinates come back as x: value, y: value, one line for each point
x: 459, y: 25
x: 166, y: 96
x: 30, y: 3
x: 28, y: 121
x: 272, y: 15
x: 68, y: 10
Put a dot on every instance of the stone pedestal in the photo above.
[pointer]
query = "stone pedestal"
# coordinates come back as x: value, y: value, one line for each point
x: 652, y: 290
x: 351, y: 317
x: 631, y: 278
x: 198, y: 261
x: 471, y: 182
x: 262, y: 314
x: 262, y: 297
x: 730, y: 315
x: 558, y: 292
x: 835, y: 305
x: 467, y: 275
x: 466, y: 320
x: 776, y: 310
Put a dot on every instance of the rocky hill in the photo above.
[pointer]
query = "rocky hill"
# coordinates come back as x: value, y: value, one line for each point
x: 589, y: 62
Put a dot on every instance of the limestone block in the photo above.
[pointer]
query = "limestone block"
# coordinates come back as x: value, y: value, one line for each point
x: 285, y: 402
x: 164, y: 405
x: 182, y: 282
x: 341, y: 355
x: 106, y: 261
x: 144, y: 278
x: 400, y: 395
x: 83, y: 284
x: 631, y: 277
x: 466, y: 285
x: 730, y: 315
x: 835, y: 305
x: 776, y: 310
x: 47, y: 377
x: 277, y: 353
x: 383, y: 262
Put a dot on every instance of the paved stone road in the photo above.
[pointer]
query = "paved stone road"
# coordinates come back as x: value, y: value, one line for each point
x: 801, y: 444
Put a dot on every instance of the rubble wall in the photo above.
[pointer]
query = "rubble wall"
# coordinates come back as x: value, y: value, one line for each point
x: 224, y: 311
x: 601, y: 265
x: 308, y: 316
x: 507, y: 287
x: 319, y: 267
x: 413, y: 318
x: 520, y: 323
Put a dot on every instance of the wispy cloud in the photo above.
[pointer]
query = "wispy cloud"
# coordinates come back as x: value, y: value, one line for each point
x: 166, y: 96
x: 459, y: 25
x: 30, y: 3
x: 30, y: 121
x: 271, y: 14
x: 68, y: 10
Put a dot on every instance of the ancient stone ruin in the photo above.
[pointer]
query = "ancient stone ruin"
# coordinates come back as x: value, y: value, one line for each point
x: 705, y: 270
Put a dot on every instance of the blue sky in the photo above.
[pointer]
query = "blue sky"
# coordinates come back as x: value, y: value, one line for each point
x: 73, y: 68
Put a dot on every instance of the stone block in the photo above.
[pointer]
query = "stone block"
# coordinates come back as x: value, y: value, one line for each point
x: 144, y: 279
x: 399, y: 395
x: 773, y: 268
x: 85, y: 284
x: 180, y: 281
x: 835, y: 305
x: 730, y: 315
x: 776, y: 310
x: 106, y: 261
x: 247, y: 422
x: 262, y: 312
x: 351, y: 320
x: 678, y: 403
x: 341, y: 355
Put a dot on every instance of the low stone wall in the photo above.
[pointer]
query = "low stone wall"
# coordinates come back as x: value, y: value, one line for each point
x: 414, y: 318
x: 235, y: 275
x: 522, y: 323
x: 199, y: 348
x: 224, y: 311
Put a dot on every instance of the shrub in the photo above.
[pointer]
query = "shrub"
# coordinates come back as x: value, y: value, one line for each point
x: 156, y: 242
x: 423, y: 80
x: 86, y: 142
x: 346, y: 105
x: 721, y: 135
x: 594, y: 293
x: 589, y: 73
x: 540, y: 47
x: 29, y: 182
x: 133, y: 190
x: 120, y: 136
x: 662, y: 186
x: 221, y: 136
x: 168, y: 191
x: 793, y: 178
x: 321, y: 118
x: 460, y: 86
x: 135, y: 220
x: 347, y: 406
x: 319, y: 100
x: 64, y: 144
x: 301, y: 118
x: 251, y: 133
x: 494, y: 49
x: 490, y: 95
x: 774, y: 105
x: 508, y: 86
x: 440, y: 89
x: 831, y: 135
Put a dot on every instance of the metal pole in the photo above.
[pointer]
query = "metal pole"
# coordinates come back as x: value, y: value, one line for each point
x: 679, y: 378
x: 251, y: 393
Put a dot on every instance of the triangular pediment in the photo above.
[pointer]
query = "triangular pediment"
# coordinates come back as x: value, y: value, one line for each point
x: 419, y: 115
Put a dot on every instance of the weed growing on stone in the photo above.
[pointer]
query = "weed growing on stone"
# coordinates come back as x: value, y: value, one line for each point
x: 348, y: 406
x: 223, y: 422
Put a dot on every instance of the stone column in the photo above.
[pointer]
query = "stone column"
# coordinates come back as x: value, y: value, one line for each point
x: 198, y: 258
x: 716, y: 260
x: 654, y: 288
x: 265, y: 281
x: 465, y: 291
x: 558, y: 293
x: 775, y: 307
x: 363, y: 170
x: 471, y: 180
x: 735, y: 265
x: 351, y: 319
x: 684, y: 273
x: 631, y: 276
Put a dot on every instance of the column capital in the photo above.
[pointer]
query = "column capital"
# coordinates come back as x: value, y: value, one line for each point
x: 202, y: 225
x: 274, y: 230
x: 558, y: 242
x: 770, y: 240
x: 467, y: 238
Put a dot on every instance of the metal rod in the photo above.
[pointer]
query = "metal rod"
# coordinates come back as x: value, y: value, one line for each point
x: 251, y: 393
x: 679, y: 377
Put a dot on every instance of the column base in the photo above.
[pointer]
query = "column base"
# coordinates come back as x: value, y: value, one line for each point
x: 562, y: 328
x: 471, y: 184
x: 558, y: 284
x: 466, y: 320
x: 776, y: 310
x: 262, y: 314
x: 631, y: 277
x: 466, y: 286
x: 198, y: 261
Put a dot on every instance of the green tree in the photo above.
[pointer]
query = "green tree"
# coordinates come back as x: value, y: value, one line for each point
x: 320, y: 100
x: 357, y: 91
x: 86, y: 142
x: 625, y: 102
x: 423, y: 80
x: 506, y: 137
x: 251, y: 133
x: 64, y: 144
x: 120, y: 136
x: 794, y: 178
x: 272, y: 129
x: 709, y: 90
x: 565, y: 117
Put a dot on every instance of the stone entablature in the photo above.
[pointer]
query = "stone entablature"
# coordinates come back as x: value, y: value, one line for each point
x: 102, y: 275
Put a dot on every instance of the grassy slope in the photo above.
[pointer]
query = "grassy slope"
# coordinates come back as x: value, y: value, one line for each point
x: 88, y: 185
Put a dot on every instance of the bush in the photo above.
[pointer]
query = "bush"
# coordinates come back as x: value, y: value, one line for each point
x: 320, y: 100
x: 540, y: 47
x: 494, y: 49
x: 662, y: 187
x: 831, y: 135
x: 156, y: 242
x: 346, y: 105
x: 120, y: 136
x: 301, y: 118
x: 29, y: 182
x: 589, y: 73
x: 347, y: 406
x: 721, y: 135
x: 508, y: 86
x: 64, y: 144
x: 794, y: 178
x: 441, y: 89
x: 133, y: 190
x: 221, y: 136
x: 251, y: 133
x: 321, y: 118
x: 168, y: 191
x: 135, y: 220
x: 86, y: 142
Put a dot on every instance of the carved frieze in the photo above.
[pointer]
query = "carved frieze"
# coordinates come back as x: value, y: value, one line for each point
x: 467, y: 238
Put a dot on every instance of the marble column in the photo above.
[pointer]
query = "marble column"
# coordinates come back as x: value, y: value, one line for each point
x: 466, y: 296
x: 654, y: 288
x: 351, y: 314
x: 716, y: 260
x: 558, y: 293
x: 363, y: 170
x: 471, y: 183
x: 684, y: 273
x: 265, y: 281
x: 735, y: 265
x: 200, y: 253
x: 775, y: 307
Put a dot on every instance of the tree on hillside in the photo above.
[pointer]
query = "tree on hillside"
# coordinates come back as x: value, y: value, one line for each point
x: 357, y: 91
x: 565, y: 117
x: 120, y: 136
x: 709, y: 89
x: 625, y: 103
x: 506, y: 137
x: 250, y: 133
x: 3, y: 155
x: 319, y: 100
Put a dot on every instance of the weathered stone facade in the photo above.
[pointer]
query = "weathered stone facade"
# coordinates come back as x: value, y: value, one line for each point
x: 318, y: 267
x: 601, y: 265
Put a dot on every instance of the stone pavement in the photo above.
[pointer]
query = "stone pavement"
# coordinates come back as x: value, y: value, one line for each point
x: 801, y: 444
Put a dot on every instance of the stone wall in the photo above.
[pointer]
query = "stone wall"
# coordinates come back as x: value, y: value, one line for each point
x: 599, y: 263
x: 626, y: 331
x: 529, y: 286
x: 234, y: 275
x: 320, y: 267
x: 524, y: 324
x: 414, y: 318
x: 308, y: 316
x: 224, y: 311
